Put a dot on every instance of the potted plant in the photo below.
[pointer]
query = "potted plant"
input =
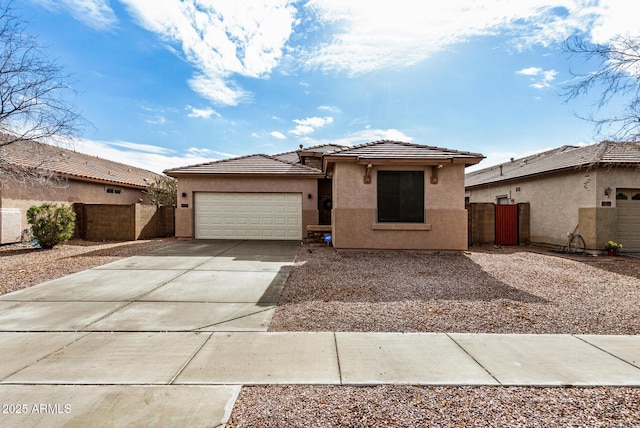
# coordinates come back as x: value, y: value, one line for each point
x: 612, y: 248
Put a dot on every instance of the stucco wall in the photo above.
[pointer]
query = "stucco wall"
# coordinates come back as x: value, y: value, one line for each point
x: 22, y: 197
x: 559, y: 202
x: 355, y: 211
x: 190, y: 184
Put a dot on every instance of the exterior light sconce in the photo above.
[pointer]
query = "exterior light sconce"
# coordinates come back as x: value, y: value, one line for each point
x: 309, y: 196
x: 367, y: 174
x: 607, y: 191
x: 184, y: 195
x: 434, y: 174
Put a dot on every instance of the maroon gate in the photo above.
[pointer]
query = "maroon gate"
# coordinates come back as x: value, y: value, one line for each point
x: 506, y: 224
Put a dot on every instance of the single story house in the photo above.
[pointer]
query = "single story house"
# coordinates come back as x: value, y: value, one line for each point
x: 379, y: 195
x: 76, y: 177
x: 595, y: 187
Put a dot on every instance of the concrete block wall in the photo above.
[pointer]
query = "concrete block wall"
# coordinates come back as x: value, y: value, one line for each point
x: 103, y: 222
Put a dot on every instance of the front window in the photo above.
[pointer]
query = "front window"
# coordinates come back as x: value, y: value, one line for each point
x: 401, y: 196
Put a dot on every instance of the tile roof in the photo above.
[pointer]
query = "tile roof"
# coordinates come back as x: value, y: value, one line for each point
x: 606, y: 153
x: 248, y: 165
x: 385, y: 150
x: 71, y: 164
x: 292, y: 156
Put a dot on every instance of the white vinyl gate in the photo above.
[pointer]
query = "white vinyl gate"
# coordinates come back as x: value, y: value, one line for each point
x: 248, y: 215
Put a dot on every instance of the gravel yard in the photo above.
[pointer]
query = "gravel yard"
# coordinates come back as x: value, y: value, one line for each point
x: 412, y: 406
x: 22, y: 266
x: 509, y: 290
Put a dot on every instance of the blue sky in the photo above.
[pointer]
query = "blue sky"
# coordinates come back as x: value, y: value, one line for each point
x: 167, y: 83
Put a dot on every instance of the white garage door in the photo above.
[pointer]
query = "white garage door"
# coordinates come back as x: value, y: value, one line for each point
x: 628, y: 204
x: 248, y: 215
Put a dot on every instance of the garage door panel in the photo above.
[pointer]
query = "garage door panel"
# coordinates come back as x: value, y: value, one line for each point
x: 629, y: 220
x: 248, y: 215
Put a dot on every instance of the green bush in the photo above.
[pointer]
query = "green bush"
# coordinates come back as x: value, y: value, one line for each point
x: 51, y: 224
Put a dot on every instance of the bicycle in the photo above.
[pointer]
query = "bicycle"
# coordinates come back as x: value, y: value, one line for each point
x: 575, y: 243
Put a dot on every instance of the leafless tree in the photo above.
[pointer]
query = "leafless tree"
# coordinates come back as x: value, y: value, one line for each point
x: 617, y: 76
x: 35, y: 93
x: 163, y: 191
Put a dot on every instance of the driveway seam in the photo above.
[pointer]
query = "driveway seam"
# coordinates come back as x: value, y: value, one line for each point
x: 605, y: 351
x: 236, y: 318
x: 335, y: 342
x: 135, y: 299
x: 184, y: 366
x: 49, y: 354
x: 474, y: 359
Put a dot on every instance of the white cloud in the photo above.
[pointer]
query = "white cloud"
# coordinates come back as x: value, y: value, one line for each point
x: 366, y: 135
x: 204, y: 113
x: 149, y: 157
x: 531, y: 71
x: 542, y: 78
x: 309, y: 125
x: 330, y: 109
x: 615, y: 17
x: 278, y: 135
x: 93, y: 13
x: 221, y: 38
x: 371, y: 35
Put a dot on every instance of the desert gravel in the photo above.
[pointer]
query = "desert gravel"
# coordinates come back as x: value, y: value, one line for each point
x: 23, y: 266
x: 413, y: 406
x: 483, y: 291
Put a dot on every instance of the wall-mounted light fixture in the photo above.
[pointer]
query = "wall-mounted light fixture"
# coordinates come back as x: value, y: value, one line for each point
x: 184, y: 195
x: 367, y: 174
x: 309, y: 196
x: 607, y: 191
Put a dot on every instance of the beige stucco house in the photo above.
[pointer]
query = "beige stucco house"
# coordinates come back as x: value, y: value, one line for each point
x: 596, y: 188
x: 385, y: 194
x: 77, y: 177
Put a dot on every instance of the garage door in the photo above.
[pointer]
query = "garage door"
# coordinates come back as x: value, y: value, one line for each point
x: 248, y: 215
x: 628, y: 204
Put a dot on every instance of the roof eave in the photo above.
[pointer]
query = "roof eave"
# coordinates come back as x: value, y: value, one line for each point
x: 176, y: 174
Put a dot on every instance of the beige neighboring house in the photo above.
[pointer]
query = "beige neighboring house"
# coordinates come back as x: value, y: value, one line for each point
x: 84, y: 178
x: 596, y: 187
x: 380, y: 195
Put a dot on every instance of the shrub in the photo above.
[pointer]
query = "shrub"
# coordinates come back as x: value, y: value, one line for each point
x: 51, y: 224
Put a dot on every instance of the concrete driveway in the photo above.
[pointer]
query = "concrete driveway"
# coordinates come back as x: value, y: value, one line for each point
x: 118, y: 336
x: 193, y: 286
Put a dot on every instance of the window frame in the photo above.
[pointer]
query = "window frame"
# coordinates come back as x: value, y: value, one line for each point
x: 400, y: 196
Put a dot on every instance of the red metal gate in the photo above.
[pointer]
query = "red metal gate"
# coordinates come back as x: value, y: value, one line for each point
x: 506, y: 225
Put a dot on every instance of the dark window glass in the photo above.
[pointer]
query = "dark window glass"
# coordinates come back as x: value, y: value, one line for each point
x: 401, y: 196
x: 621, y: 196
x: 636, y: 197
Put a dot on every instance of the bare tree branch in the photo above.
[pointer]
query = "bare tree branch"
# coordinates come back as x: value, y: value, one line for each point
x: 35, y: 92
x: 617, y: 75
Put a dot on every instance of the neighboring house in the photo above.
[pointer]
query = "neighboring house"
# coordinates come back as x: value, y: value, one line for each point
x: 77, y: 178
x: 596, y: 187
x: 385, y: 194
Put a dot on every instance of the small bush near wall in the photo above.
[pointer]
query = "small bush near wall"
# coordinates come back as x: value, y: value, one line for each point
x: 51, y: 224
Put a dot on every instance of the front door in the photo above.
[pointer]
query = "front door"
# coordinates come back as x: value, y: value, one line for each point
x: 324, y: 201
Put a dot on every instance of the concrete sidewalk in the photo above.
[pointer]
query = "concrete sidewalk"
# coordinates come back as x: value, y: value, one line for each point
x: 168, y: 339
x: 194, y: 378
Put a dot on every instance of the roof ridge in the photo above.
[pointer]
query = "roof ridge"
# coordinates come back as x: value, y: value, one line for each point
x: 214, y: 161
x: 272, y: 157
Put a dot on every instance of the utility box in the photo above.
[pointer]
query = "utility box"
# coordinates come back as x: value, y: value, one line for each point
x: 10, y: 225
